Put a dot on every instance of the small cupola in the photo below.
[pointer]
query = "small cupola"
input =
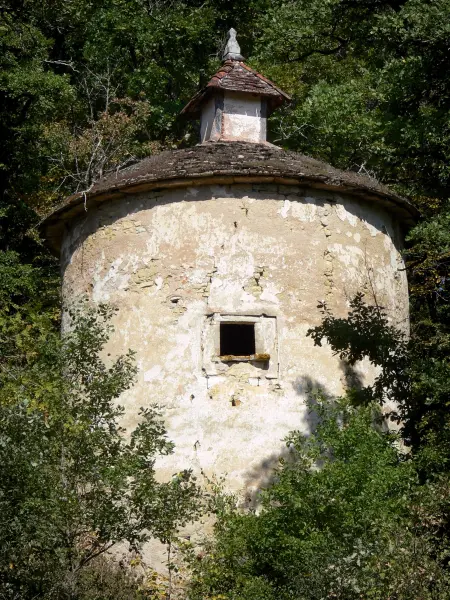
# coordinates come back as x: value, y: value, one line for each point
x: 235, y: 103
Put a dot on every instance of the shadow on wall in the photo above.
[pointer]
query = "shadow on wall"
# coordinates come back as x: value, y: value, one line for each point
x: 265, y: 474
x: 352, y: 378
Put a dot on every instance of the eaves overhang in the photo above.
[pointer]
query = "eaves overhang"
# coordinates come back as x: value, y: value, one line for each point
x: 223, y: 163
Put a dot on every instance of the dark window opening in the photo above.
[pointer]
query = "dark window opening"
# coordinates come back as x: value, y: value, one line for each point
x: 237, y: 339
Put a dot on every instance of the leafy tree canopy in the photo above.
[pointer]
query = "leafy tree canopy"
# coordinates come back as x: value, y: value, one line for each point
x: 88, y: 86
x: 344, y: 518
x: 73, y: 484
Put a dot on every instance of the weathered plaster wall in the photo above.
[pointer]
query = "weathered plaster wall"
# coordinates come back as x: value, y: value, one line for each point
x: 242, y: 119
x: 177, y: 262
x: 233, y: 116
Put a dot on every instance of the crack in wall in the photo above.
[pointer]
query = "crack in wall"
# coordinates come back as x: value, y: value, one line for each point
x: 255, y: 284
x: 324, y: 217
x: 328, y: 273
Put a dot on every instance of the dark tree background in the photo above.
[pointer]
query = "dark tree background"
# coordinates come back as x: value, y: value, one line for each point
x: 88, y: 85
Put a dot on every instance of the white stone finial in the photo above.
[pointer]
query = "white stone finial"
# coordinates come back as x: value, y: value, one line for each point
x: 232, y: 49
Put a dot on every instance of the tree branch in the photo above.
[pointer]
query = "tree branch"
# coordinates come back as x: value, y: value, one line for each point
x: 322, y: 52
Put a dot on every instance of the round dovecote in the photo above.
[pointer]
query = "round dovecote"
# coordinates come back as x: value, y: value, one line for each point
x: 216, y: 258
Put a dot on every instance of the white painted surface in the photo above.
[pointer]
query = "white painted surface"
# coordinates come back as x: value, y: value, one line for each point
x: 242, y: 118
x: 236, y: 117
x: 207, y: 129
x: 175, y: 262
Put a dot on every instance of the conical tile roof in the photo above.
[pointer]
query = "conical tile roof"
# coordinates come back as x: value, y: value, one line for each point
x: 236, y: 76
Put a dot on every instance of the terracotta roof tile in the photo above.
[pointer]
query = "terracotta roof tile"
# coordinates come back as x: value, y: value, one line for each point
x: 236, y: 76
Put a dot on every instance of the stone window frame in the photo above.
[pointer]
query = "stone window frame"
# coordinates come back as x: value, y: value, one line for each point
x: 266, y: 355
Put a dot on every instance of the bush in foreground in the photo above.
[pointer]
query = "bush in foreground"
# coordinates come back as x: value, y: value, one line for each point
x: 72, y: 483
x: 346, y: 518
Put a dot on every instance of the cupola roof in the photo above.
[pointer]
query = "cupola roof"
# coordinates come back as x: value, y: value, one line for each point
x: 235, y: 76
x: 233, y: 107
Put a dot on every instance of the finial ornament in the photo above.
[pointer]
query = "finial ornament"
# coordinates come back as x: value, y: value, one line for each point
x: 232, y: 49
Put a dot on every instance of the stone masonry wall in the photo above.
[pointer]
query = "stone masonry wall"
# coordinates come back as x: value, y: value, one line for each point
x: 176, y: 263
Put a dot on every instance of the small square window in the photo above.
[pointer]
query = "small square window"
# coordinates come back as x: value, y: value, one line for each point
x: 237, y: 339
x: 228, y: 338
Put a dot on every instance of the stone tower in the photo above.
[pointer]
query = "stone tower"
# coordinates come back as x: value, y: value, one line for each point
x: 216, y: 257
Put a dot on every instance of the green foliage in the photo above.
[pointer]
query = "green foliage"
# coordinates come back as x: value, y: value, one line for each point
x: 73, y: 483
x: 105, y: 579
x: 369, y: 83
x: 366, y: 333
x: 351, y: 514
x: 413, y: 373
x: 370, y: 89
x: 29, y: 328
x: 345, y: 518
x: 89, y: 86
